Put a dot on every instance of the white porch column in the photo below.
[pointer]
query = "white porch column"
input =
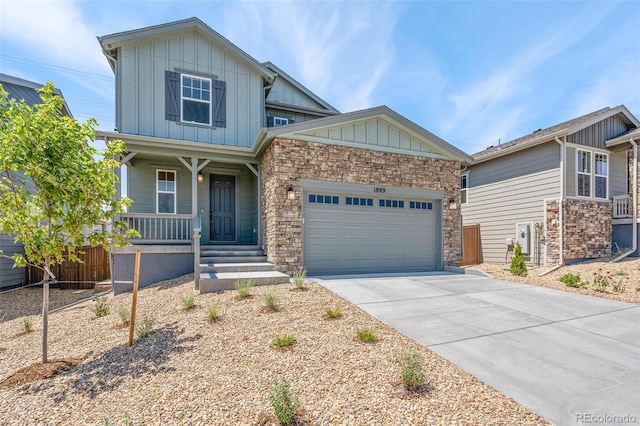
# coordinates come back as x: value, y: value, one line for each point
x: 194, y: 186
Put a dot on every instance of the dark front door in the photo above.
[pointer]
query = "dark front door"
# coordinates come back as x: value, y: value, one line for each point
x: 223, y: 208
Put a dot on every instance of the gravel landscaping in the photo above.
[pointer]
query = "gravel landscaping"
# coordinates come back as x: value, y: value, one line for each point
x: 195, y: 372
x: 623, y: 278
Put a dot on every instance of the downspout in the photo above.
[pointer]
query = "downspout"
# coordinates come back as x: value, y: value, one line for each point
x: 560, y: 213
x: 634, y: 231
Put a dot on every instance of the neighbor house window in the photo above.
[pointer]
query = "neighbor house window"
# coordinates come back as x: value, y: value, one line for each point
x: 592, y: 170
x: 464, y: 187
x: 196, y: 99
x: 279, y: 121
x: 192, y: 99
x: 166, y: 191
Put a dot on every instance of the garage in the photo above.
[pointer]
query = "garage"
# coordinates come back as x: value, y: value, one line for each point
x: 366, y: 229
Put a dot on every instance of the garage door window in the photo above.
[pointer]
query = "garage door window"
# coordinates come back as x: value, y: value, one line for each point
x: 399, y: 204
x: 324, y: 199
x: 419, y: 205
x: 357, y: 201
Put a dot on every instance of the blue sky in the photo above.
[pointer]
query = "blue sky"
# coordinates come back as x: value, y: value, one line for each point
x: 470, y: 72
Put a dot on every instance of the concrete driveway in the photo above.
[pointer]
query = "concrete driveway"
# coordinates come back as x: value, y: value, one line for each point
x: 572, y: 359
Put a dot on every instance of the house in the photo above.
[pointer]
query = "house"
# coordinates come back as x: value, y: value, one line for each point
x: 18, y: 89
x: 235, y: 167
x: 562, y: 192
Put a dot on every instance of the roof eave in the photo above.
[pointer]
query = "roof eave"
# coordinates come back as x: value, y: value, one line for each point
x: 517, y: 148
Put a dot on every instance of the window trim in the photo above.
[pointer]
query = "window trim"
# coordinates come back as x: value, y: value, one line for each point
x: 465, y: 189
x: 591, y: 173
x: 183, y: 98
x: 174, y: 192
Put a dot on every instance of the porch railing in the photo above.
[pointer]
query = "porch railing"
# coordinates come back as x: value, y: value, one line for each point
x: 160, y: 228
x: 621, y: 206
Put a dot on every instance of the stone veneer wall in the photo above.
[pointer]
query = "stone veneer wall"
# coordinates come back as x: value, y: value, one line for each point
x: 552, y: 235
x: 587, y: 229
x: 287, y: 161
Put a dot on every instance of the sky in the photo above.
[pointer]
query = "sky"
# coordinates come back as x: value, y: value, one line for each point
x: 471, y: 72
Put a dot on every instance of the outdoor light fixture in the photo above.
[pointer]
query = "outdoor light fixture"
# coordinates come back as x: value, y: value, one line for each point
x: 291, y: 194
x: 200, y: 178
x: 452, y: 204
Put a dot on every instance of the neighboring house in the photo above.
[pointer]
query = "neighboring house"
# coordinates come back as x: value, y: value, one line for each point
x: 272, y: 171
x: 562, y: 192
x: 18, y: 89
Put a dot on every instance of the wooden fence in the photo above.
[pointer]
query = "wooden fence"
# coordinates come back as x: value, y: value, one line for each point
x: 95, y: 268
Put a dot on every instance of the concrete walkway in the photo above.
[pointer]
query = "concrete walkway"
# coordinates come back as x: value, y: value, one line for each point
x: 573, y: 359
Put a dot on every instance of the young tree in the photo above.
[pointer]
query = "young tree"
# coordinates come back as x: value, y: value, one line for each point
x: 54, y: 186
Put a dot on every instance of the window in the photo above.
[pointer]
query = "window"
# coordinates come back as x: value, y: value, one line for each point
x: 166, y: 191
x: 196, y: 99
x: 191, y: 99
x: 420, y: 205
x: 592, y: 174
x: 398, y: 204
x: 464, y: 187
x: 357, y: 201
x: 279, y: 121
x: 323, y: 199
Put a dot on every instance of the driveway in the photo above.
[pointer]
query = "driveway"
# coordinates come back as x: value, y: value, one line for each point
x: 572, y: 359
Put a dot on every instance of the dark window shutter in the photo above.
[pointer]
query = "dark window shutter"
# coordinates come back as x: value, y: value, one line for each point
x: 172, y: 95
x: 269, y: 121
x: 219, y: 103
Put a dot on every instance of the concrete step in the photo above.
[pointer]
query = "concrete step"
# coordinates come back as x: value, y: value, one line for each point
x: 211, y: 282
x: 237, y: 267
x: 229, y: 247
x: 230, y: 253
x: 233, y: 259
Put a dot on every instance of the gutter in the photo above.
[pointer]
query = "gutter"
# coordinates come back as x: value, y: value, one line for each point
x: 560, y: 211
x: 635, y: 203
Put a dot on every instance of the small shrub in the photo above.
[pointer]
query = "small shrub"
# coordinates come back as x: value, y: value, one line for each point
x: 298, y: 277
x: 518, y: 267
x: 188, y: 301
x: 366, y: 335
x: 101, y: 308
x: 637, y: 288
x: 571, y: 280
x: 333, y: 313
x: 620, y: 272
x: 284, y: 402
x: 283, y: 341
x: 124, y: 315
x: 600, y: 281
x: 243, y: 287
x: 212, y: 311
x: 145, y: 327
x: 411, y: 365
x: 271, y: 300
x: 27, y: 324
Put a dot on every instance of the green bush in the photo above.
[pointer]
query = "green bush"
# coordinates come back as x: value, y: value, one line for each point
x: 571, y: 280
x: 411, y: 365
x: 298, y: 277
x: 212, y: 312
x: 271, y: 300
x: 188, y: 301
x: 124, y: 315
x: 518, y: 266
x: 243, y: 287
x: 333, y: 313
x: 366, y: 335
x: 102, y: 307
x: 283, y: 341
x: 145, y: 327
x: 27, y: 325
x: 284, y: 402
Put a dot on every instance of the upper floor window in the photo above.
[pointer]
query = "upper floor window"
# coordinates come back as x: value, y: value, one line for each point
x: 195, y: 99
x: 464, y: 188
x: 279, y: 121
x: 166, y: 191
x: 592, y: 171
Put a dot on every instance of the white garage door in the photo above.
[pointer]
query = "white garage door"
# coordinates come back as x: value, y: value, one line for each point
x: 356, y: 233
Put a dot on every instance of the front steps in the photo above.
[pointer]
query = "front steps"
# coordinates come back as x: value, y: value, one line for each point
x: 222, y: 266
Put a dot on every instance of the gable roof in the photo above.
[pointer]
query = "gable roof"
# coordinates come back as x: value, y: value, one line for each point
x: 307, y: 130
x: 283, y: 75
x: 550, y: 133
x: 111, y: 42
x: 18, y: 89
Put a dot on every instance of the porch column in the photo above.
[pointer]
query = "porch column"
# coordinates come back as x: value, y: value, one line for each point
x: 194, y: 186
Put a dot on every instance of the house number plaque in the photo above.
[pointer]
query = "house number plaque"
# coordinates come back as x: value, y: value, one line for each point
x: 379, y: 189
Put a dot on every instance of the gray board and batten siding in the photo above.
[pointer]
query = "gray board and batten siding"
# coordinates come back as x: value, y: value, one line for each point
x: 10, y: 276
x: 141, y: 77
x: 511, y: 190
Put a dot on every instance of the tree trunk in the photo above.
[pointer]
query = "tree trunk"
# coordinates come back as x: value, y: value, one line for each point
x: 45, y: 310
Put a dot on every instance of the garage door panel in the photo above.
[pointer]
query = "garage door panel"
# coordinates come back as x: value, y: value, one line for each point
x: 340, y: 238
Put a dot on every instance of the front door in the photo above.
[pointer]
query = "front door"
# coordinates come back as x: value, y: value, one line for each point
x: 223, y: 208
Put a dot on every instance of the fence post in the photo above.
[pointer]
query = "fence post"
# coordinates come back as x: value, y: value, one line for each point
x: 196, y: 250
